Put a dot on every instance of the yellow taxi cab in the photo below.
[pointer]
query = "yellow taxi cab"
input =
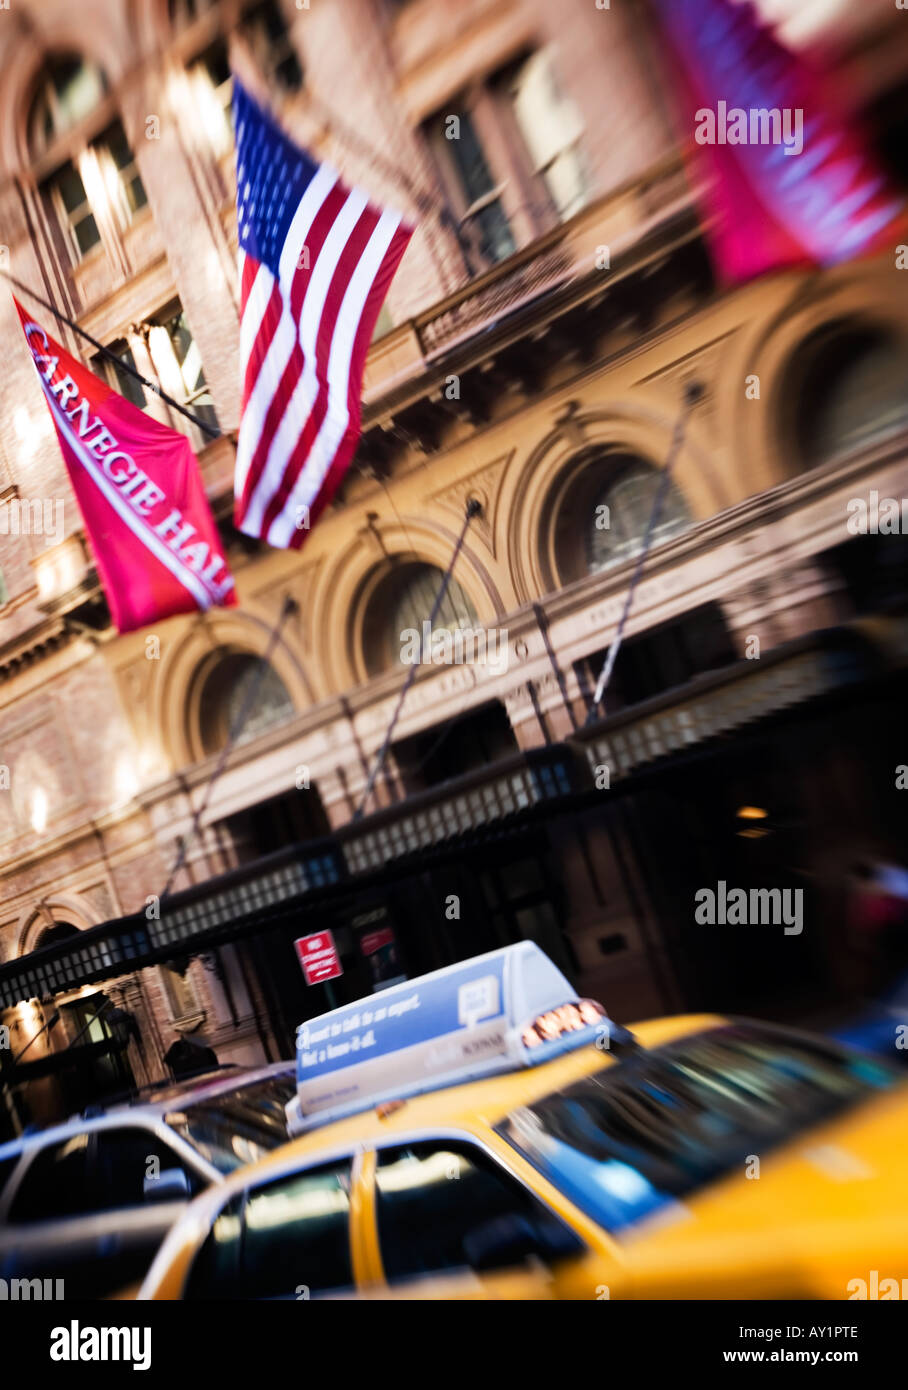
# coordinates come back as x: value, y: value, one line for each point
x: 482, y: 1133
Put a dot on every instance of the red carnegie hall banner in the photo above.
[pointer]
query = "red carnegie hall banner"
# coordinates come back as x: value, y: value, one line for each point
x: 139, y: 491
x: 792, y: 182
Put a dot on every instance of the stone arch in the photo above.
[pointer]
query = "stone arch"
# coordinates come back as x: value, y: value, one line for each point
x: 71, y: 909
x: 583, y: 537
x: 106, y: 46
x: 186, y: 664
x: 350, y: 582
x: 769, y: 348
x: 533, y: 485
x: 846, y: 392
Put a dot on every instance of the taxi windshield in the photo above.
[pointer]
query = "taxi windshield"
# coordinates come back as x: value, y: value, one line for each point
x: 639, y: 1137
x: 237, y: 1129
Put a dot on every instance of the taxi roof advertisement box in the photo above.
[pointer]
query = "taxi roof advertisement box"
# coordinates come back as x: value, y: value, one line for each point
x: 464, y: 1021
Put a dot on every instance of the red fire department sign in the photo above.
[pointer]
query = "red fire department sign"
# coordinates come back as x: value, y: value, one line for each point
x: 318, y: 957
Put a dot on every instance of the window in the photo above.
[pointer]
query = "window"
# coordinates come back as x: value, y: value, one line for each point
x: 116, y: 376
x: 608, y: 501
x: 120, y: 172
x: 266, y: 32
x: 66, y: 193
x: 7, y: 1168
x: 181, y: 995
x: 86, y: 1018
x: 415, y: 599
x: 179, y: 364
x: 290, y: 819
x: 236, y: 1129
x: 509, y: 152
x: 851, y: 393
x: 56, y: 1183
x: 640, y: 1136
x: 662, y: 657
x: 68, y: 90
x: 175, y: 368
x: 123, y: 1160
x: 551, y: 128
x: 459, y: 745
x: 630, y: 499
x: 290, y: 1239
x: 403, y: 602
x: 483, y: 217
x: 229, y: 686
x: 108, y: 169
x: 873, y: 571
x: 212, y: 84
x: 297, y: 1232
x: 215, y: 1270
x: 444, y: 1206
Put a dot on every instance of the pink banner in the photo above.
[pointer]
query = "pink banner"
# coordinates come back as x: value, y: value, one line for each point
x: 789, y: 181
x: 140, y: 493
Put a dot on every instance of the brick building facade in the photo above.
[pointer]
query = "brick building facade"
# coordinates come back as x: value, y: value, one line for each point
x: 554, y: 303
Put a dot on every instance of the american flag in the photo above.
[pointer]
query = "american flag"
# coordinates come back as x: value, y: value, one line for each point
x: 316, y: 260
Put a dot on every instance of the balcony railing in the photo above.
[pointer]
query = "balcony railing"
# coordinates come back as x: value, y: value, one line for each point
x: 524, y: 276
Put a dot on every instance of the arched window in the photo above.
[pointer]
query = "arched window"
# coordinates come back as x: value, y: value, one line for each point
x: 224, y: 694
x: 605, y: 510
x: 851, y: 393
x: 68, y: 90
x: 402, y: 603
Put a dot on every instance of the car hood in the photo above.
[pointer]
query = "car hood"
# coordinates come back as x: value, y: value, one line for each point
x: 815, y: 1216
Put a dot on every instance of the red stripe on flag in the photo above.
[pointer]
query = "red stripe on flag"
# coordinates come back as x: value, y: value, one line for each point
x: 345, y: 451
x: 340, y: 281
x: 315, y: 240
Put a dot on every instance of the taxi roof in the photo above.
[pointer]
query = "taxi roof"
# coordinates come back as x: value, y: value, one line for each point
x: 159, y: 1101
x: 483, y: 1102
x: 502, y: 1011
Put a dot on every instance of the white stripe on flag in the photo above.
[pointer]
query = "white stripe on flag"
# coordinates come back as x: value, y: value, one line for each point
x: 337, y: 418
x: 277, y: 357
x: 253, y: 313
x: 305, y: 393
x: 310, y: 205
x: 270, y: 371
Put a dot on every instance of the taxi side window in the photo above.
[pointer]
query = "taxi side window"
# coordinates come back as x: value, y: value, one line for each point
x: 296, y: 1235
x: 445, y: 1206
x: 215, y: 1271
x: 288, y: 1239
x: 56, y: 1183
x: 7, y: 1168
x: 126, y: 1157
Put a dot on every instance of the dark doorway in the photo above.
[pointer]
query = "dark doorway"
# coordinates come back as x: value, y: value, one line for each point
x: 285, y: 820
x: 458, y: 746
x: 662, y: 658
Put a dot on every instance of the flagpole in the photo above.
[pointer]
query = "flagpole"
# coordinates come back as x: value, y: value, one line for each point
x: 473, y: 509
x: 112, y: 356
x: 693, y: 391
x: 290, y: 606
